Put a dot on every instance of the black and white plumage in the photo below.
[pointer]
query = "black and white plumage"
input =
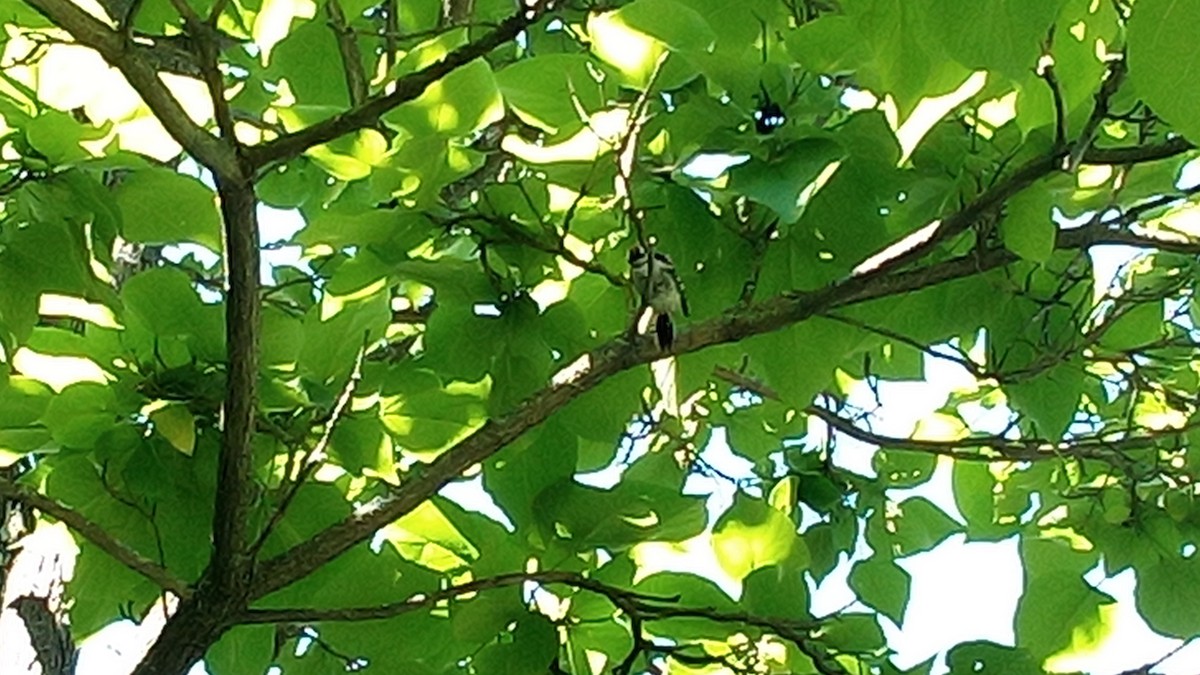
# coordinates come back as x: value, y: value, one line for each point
x: 654, y: 277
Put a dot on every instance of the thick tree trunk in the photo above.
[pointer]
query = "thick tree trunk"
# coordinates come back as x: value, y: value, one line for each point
x: 185, y: 638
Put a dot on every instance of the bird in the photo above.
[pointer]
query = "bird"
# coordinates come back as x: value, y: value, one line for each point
x: 654, y: 277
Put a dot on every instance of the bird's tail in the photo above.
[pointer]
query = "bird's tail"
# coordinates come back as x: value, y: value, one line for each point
x: 665, y: 329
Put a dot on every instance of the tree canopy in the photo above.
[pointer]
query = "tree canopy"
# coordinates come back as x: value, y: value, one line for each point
x: 851, y: 190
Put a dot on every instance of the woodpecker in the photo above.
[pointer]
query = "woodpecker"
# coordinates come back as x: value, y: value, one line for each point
x: 654, y: 278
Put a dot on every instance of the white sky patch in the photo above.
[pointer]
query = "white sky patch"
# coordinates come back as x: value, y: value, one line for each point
x: 719, y: 489
x: 58, y: 371
x: 931, y: 110
x: 859, y: 99
x: 278, y: 226
x: 709, y: 166
x: 470, y: 495
x: 960, y: 592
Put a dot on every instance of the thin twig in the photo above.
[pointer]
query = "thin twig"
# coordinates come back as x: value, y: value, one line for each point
x: 967, y: 364
x: 312, y: 459
x: 356, y: 78
x: 626, y: 153
x: 524, y: 237
x: 745, y: 382
x: 1046, y: 71
x: 1113, y: 80
x: 97, y: 535
x: 1002, y: 449
x: 402, y: 91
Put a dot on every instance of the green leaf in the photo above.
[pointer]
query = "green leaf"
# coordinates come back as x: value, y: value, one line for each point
x: 751, y: 436
x: 522, y: 365
x: 918, y: 526
x: 167, y: 323
x: 632, y: 38
x: 1050, y: 398
x: 484, y: 618
x: 516, y: 476
x: 316, y: 506
x: 100, y: 586
x: 363, y: 228
x: 600, y: 416
x: 308, y: 59
x: 678, y: 26
x: 1140, y: 325
x: 26, y: 269
x: 176, y: 424
x: 1060, y: 611
x: 425, y: 416
x: 777, y: 591
x: 464, y: 101
x: 586, y: 639
x: 1166, y: 592
x: 499, y: 551
x: 80, y: 414
x: 355, y: 578
x: 56, y: 136
x: 780, y: 184
x: 1162, y: 61
x: 546, y: 89
x: 991, y: 659
x: 361, y: 446
x: 899, y: 54
x: 882, y: 584
x: 428, y: 538
x: 583, y: 518
x: 752, y: 535
x: 533, y: 644
x: 854, y: 633
x: 692, y: 591
x: 163, y: 207
x: 816, y: 341
x: 903, y: 469
x: 975, y: 495
x: 338, y: 328
x: 22, y: 401
x: 1027, y: 228
x: 1004, y: 35
x: 241, y: 650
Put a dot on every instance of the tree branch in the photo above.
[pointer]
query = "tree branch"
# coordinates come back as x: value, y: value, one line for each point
x: 406, y: 89
x: 230, y: 568
x: 1138, y: 154
x: 95, y: 534
x: 621, y: 354
x: 356, y: 78
x: 613, y: 357
x: 120, y: 52
x: 429, y: 600
x: 49, y: 635
x: 1002, y: 449
x: 640, y: 608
